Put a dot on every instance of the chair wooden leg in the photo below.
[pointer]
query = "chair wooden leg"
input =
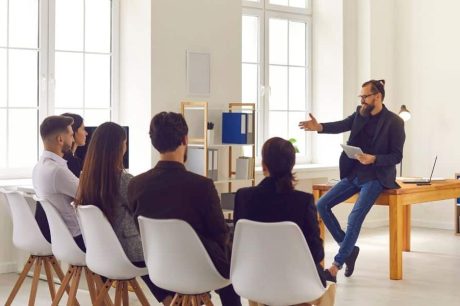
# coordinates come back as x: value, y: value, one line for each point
x: 36, y: 279
x: 64, y: 284
x: 118, y: 293
x: 91, y: 284
x: 185, y: 300
x: 60, y: 274
x: 207, y: 300
x: 99, y: 286
x: 101, y: 296
x: 177, y: 299
x: 125, y: 293
x: 20, y: 280
x: 49, y: 277
x: 74, y: 287
x: 194, y: 300
x: 140, y: 295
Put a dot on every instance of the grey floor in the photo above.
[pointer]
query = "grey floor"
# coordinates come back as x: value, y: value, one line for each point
x: 431, y: 274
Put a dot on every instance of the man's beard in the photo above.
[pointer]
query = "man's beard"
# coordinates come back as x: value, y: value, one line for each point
x: 185, y: 155
x: 366, y: 111
x: 66, y: 148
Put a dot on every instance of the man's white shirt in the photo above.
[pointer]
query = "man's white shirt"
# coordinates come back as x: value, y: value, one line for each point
x: 54, y: 182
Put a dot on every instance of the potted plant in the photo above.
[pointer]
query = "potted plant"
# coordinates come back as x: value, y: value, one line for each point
x: 210, y: 132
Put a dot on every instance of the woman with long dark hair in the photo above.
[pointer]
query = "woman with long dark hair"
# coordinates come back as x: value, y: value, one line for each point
x: 74, y: 163
x: 275, y: 200
x: 104, y: 183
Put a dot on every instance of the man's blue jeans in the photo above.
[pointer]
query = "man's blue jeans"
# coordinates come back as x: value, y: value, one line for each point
x: 368, y: 193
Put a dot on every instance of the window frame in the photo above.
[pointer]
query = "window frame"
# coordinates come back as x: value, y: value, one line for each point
x: 46, y: 81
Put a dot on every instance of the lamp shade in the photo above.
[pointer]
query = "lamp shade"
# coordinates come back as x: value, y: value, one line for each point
x: 404, y: 113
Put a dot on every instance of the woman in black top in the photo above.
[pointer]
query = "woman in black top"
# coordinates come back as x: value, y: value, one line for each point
x: 74, y: 163
x: 275, y: 200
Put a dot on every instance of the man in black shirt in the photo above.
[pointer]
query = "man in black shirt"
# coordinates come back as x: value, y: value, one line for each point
x: 380, y: 134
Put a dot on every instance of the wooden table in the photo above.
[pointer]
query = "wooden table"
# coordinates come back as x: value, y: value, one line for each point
x: 399, y: 202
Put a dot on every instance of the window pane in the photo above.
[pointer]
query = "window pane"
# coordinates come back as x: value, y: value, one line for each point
x: 278, y: 128
x: 297, y: 85
x: 22, y: 78
x: 298, y: 3
x: 250, y: 32
x: 250, y: 83
x: 3, y: 24
x: 23, y: 23
x: 297, y: 39
x: 69, y: 25
x: 60, y: 111
x: 23, y: 137
x: 3, y: 144
x: 3, y: 83
x: 97, y: 80
x: 278, y: 41
x: 278, y: 99
x: 97, y: 27
x: 279, y: 2
x: 69, y: 79
x: 94, y: 117
x: 296, y: 133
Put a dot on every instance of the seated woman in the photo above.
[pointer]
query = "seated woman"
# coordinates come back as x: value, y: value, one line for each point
x: 74, y: 163
x: 275, y: 200
x: 104, y: 183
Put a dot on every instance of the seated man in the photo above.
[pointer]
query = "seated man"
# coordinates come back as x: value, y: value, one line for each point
x: 169, y: 191
x: 51, y: 178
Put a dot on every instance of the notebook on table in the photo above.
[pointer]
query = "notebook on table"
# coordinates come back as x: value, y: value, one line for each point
x: 420, y: 180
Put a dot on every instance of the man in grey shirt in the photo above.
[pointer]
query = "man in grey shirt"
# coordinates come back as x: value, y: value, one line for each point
x: 51, y: 178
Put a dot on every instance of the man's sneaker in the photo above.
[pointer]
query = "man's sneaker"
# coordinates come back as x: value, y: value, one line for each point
x: 350, y: 262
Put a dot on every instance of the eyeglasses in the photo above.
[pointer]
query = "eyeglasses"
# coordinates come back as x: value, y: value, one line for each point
x: 364, y: 97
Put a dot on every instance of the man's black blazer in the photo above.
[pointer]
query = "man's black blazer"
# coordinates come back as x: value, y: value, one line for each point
x: 263, y: 204
x: 169, y: 191
x: 388, y: 143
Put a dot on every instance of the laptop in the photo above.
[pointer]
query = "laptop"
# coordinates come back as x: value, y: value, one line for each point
x: 420, y: 180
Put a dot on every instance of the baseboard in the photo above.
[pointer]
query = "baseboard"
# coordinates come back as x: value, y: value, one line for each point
x: 8, y: 267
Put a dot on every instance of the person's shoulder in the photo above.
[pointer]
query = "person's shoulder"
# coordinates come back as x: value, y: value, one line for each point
x: 302, y: 198
x: 195, y: 178
x: 246, y: 191
x: 125, y: 177
x: 139, y: 180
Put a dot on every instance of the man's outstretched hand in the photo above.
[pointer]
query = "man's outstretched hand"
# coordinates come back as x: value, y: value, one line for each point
x: 311, y: 125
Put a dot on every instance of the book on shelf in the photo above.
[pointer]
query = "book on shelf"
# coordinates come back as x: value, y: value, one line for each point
x: 244, y: 167
x: 237, y: 128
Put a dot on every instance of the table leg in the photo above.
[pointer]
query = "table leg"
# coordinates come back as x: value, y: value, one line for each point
x: 316, y: 196
x: 406, y: 228
x: 396, y: 237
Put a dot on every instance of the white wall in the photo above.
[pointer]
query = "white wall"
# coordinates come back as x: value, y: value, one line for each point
x: 199, y: 25
x: 135, y: 79
x: 427, y: 70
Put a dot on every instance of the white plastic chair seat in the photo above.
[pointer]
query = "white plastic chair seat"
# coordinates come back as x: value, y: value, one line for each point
x: 272, y: 264
x: 176, y: 258
x: 104, y: 253
x: 63, y: 245
x: 26, y: 233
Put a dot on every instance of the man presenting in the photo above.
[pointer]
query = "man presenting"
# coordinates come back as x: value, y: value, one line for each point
x: 380, y: 134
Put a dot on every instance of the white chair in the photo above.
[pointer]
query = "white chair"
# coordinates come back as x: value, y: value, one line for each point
x: 105, y: 256
x: 272, y: 264
x: 177, y: 261
x: 28, y: 237
x: 65, y: 249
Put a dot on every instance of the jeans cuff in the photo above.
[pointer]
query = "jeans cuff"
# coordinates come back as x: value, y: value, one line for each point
x: 339, y: 266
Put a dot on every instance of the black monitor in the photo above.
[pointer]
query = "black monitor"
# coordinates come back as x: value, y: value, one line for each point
x: 81, y: 151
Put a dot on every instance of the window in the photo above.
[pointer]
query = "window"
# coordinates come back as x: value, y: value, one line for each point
x: 55, y: 56
x: 276, y: 71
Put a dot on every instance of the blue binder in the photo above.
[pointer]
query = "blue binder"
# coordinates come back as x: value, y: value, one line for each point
x: 235, y: 128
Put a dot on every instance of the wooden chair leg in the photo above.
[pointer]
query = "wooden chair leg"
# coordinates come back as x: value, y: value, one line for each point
x: 177, y: 299
x: 185, y: 300
x: 60, y: 274
x: 99, y: 286
x: 36, y: 279
x: 74, y: 287
x: 138, y: 291
x: 207, y: 300
x: 20, y: 280
x: 64, y: 284
x: 49, y: 277
x: 91, y: 284
x: 118, y: 293
x: 125, y: 293
x: 103, y: 292
x: 194, y: 299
